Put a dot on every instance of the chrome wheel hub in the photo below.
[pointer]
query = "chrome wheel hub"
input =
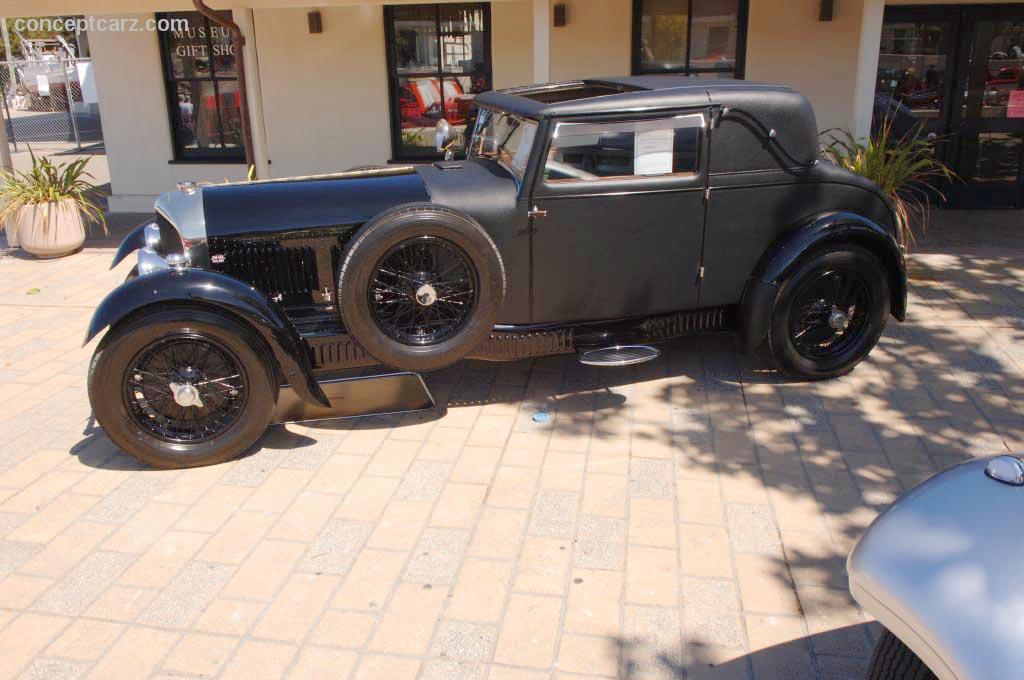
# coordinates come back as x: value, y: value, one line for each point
x: 426, y: 295
x: 186, y: 394
x: 838, y: 320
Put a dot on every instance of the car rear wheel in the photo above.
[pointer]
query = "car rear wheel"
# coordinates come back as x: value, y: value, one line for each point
x: 182, y: 387
x: 893, y: 660
x: 421, y: 287
x: 829, y: 313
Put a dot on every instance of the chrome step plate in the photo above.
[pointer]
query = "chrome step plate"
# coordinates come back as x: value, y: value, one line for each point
x: 619, y: 355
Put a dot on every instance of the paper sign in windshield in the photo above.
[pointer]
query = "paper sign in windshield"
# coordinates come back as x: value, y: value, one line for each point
x: 652, y: 152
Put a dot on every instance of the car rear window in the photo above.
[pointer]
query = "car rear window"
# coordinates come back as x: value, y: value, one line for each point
x: 581, y: 152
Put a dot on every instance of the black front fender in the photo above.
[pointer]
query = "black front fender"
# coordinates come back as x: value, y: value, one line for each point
x: 197, y: 286
x: 135, y: 239
x: 827, y: 229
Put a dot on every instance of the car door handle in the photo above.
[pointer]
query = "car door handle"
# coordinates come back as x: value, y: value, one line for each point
x: 536, y: 212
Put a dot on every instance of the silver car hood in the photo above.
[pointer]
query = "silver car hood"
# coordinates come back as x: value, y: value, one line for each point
x: 184, y: 210
x: 943, y: 569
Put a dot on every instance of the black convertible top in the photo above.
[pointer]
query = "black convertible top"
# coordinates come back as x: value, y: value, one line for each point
x: 610, y: 95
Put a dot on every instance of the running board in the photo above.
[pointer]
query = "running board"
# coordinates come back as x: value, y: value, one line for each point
x: 370, y: 395
x: 619, y: 355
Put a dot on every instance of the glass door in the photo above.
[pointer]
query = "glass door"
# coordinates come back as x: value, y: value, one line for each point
x: 915, y: 72
x: 990, y: 107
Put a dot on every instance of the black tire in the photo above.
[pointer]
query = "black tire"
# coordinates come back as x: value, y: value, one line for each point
x: 847, y: 280
x: 893, y: 660
x: 451, y: 237
x: 151, y: 428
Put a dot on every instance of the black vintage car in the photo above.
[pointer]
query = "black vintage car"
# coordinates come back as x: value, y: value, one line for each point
x: 594, y: 217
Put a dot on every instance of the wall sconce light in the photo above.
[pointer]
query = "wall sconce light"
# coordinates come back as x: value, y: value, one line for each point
x: 316, y: 22
x: 828, y: 10
x: 560, y: 15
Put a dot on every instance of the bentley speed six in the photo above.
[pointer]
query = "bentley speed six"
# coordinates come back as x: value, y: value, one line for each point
x: 596, y: 218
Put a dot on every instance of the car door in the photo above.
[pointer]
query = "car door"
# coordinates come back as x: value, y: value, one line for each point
x: 617, y: 217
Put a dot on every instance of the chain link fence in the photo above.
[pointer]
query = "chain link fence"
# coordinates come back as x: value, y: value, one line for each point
x: 50, y: 105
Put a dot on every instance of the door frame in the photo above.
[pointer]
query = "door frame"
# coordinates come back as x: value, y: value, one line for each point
x: 961, y: 19
x: 535, y: 188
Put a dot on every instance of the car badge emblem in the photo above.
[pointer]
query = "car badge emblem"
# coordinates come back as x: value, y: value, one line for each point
x: 218, y: 259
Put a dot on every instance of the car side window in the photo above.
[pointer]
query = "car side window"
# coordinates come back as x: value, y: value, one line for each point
x: 581, y: 152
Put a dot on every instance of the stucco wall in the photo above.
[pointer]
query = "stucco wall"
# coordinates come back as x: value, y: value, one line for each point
x: 790, y: 46
x: 512, y: 43
x: 325, y: 98
x: 136, y: 132
x: 595, y: 40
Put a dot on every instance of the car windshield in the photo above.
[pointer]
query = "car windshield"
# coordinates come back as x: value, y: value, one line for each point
x: 505, y: 138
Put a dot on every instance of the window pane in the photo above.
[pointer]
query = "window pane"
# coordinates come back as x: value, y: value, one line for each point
x: 415, y: 38
x: 197, y: 126
x: 187, y: 49
x: 463, y: 40
x: 714, y: 33
x: 912, y: 71
x: 459, y: 99
x: 419, y: 110
x: 230, y: 113
x: 223, y: 51
x: 582, y: 152
x: 663, y: 34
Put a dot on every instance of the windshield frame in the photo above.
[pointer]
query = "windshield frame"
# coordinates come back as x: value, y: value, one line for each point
x: 477, y: 140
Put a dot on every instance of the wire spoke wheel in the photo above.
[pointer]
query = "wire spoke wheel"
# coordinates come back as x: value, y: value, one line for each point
x: 423, y: 290
x: 830, y: 313
x: 186, y: 389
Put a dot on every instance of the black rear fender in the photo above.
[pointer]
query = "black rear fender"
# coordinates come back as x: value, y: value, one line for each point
x: 212, y: 290
x: 824, y: 231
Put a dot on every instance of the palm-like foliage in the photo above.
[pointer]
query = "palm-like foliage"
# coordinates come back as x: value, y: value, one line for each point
x: 50, y: 182
x: 905, y: 168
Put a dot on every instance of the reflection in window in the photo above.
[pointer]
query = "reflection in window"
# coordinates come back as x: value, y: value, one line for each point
x: 593, y: 151
x: 688, y: 36
x: 202, y: 88
x: 440, y: 59
x: 912, y: 70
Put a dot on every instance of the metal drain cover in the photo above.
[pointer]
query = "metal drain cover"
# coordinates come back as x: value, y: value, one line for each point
x: 620, y: 355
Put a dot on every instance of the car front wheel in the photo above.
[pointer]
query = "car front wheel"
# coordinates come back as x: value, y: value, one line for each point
x: 829, y: 313
x: 182, y: 387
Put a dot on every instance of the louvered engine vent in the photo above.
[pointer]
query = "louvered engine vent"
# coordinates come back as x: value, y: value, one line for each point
x: 268, y: 266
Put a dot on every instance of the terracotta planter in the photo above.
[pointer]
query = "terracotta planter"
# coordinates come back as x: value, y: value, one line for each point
x: 50, y: 229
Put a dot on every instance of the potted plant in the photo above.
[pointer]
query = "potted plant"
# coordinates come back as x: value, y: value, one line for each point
x: 47, y: 209
x: 905, y: 167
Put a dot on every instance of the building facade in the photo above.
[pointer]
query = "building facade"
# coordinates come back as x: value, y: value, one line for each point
x: 349, y: 83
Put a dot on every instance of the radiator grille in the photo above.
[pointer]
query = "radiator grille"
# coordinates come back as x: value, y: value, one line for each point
x: 268, y: 266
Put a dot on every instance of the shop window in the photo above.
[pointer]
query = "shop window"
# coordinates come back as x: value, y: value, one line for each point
x: 202, y: 90
x: 439, y: 59
x: 693, y: 37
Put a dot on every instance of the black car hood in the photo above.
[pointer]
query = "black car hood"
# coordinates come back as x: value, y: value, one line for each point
x: 249, y: 208
x: 480, y: 188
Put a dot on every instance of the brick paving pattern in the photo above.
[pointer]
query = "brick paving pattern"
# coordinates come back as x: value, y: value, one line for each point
x: 685, y: 517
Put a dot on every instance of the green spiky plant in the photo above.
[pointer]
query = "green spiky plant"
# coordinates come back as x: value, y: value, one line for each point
x: 904, y: 167
x: 49, y: 182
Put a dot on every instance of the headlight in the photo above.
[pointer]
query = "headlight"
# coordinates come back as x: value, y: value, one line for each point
x: 152, y: 235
